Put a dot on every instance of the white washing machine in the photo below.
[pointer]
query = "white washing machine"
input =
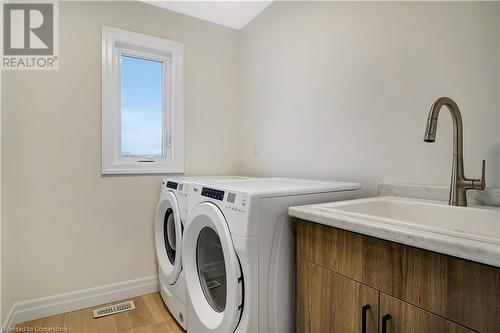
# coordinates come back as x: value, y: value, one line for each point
x: 171, y: 213
x: 239, y: 252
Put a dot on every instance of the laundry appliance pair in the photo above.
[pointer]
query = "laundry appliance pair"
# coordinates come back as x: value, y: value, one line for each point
x: 170, y: 218
x: 238, y: 251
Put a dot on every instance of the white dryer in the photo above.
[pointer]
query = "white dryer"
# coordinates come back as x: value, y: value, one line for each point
x: 239, y: 252
x: 171, y: 213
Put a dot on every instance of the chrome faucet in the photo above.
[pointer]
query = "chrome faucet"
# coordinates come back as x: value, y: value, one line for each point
x: 459, y: 183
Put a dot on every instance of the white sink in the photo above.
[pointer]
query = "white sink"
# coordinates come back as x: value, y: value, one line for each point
x: 471, y: 233
x: 467, y: 222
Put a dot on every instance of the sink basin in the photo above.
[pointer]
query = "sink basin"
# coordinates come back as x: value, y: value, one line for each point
x: 473, y: 223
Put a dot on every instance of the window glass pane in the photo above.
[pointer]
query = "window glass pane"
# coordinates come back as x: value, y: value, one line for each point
x: 141, y: 107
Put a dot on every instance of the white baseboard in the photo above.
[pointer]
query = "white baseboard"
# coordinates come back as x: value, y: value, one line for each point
x: 52, y: 305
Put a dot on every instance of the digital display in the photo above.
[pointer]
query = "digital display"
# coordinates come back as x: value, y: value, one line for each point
x: 172, y: 185
x: 231, y: 197
x: 212, y: 193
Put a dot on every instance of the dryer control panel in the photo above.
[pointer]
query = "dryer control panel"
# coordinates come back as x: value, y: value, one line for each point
x: 172, y: 185
x: 179, y: 188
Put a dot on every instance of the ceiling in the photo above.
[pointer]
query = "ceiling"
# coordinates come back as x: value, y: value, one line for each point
x: 234, y: 14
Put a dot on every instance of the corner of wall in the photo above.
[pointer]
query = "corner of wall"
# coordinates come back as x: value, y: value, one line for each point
x: 243, y: 167
x: 1, y: 235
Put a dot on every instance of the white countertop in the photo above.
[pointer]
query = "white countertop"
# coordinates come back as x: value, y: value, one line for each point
x: 489, y: 197
x: 453, y: 245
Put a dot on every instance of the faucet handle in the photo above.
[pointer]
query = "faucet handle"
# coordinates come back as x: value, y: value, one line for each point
x: 480, y: 184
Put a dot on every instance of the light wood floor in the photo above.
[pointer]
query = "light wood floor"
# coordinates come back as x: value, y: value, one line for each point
x: 150, y: 316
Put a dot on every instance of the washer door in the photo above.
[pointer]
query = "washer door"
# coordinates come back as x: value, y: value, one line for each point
x: 168, y: 237
x: 212, y: 269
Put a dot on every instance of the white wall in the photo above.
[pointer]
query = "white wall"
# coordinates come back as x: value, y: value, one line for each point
x: 66, y: 226
x: 342, y: 90
x: 1, y: 246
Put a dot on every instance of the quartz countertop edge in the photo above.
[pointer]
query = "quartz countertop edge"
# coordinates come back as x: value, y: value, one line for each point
x: 488, y: 197
x: 482, y: 252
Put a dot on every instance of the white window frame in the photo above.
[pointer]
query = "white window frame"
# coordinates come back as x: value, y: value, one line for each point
x: 115, y: 43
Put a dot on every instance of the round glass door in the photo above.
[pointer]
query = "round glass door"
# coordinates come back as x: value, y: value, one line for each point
x: 169, y: 235
x: 211, y: 268
x: 168, y: 238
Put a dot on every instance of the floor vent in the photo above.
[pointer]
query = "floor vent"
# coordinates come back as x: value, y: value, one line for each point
x: 113, y: 309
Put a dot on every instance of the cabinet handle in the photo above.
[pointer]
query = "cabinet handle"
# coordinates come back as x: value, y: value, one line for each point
x: 385, y: 319
x: 364, y: 309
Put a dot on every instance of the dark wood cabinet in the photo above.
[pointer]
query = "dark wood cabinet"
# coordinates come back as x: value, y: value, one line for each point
x: 330, y: 302
x: 424, y: 290
x: 398, y: 316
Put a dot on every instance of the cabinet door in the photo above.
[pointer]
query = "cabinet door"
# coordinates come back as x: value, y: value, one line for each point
x: 330, y: 302
x: 399, y: 316
x: 463, y: 291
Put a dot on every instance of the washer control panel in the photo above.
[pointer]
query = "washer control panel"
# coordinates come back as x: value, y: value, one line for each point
x: 212, y: 193
x: 234, y: 201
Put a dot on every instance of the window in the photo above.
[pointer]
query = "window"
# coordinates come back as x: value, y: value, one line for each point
x: 142, y: 103
x: 141, y: 107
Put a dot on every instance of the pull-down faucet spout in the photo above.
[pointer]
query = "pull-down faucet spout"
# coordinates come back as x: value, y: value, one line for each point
x: 459, y: 183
